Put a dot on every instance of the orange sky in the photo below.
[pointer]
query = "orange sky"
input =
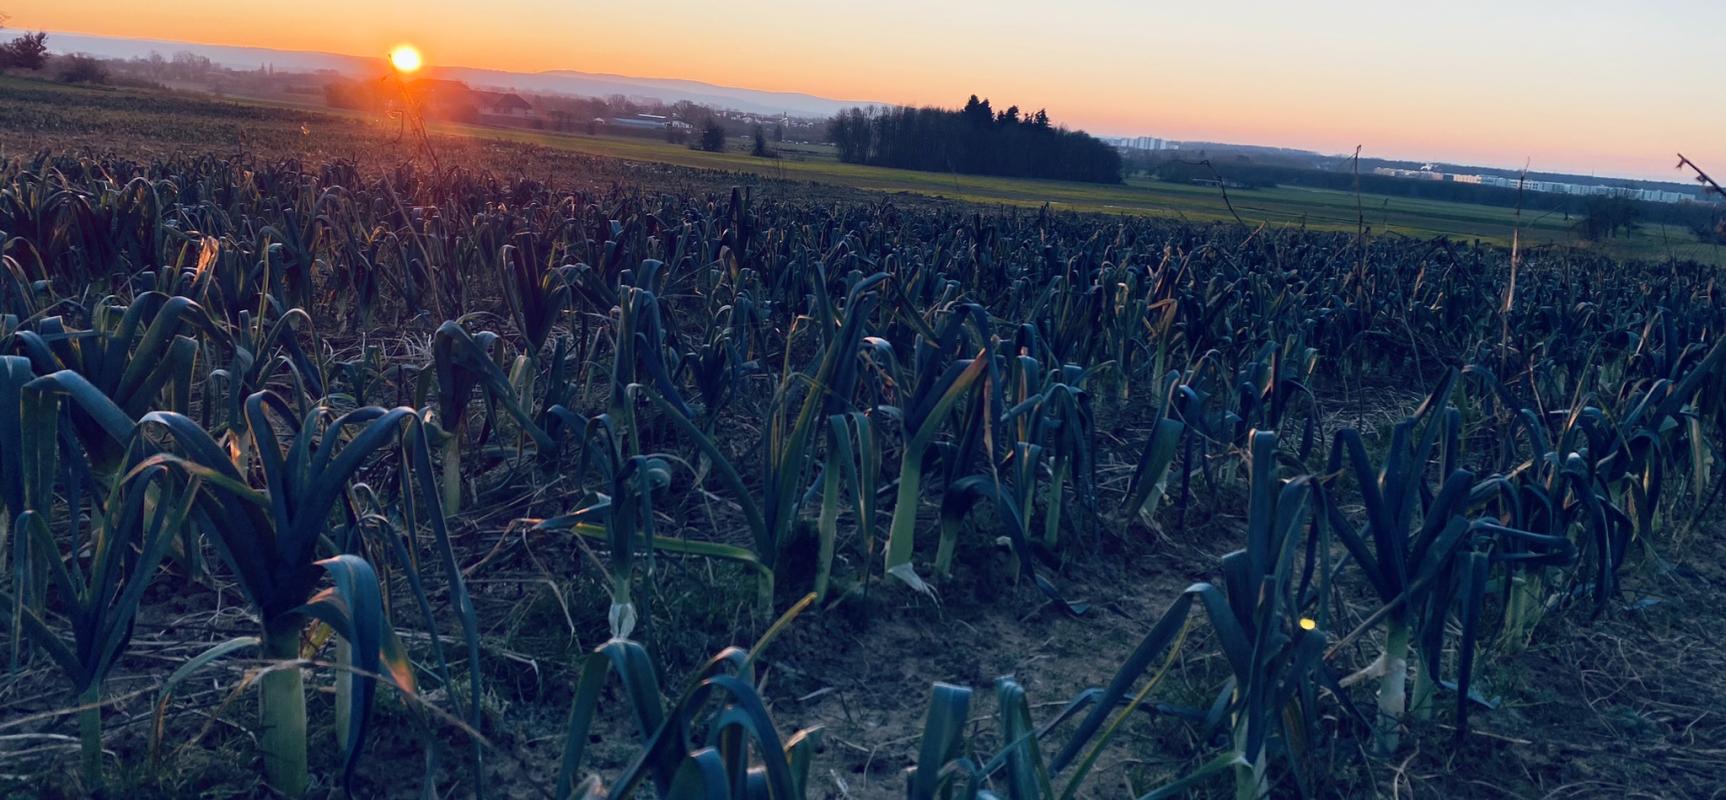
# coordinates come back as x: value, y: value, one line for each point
x: 1581, y: 86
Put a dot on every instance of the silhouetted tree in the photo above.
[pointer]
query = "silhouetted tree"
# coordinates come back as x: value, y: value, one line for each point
x: 978, y: 113
x: 713, y: 136
x: 29, y: 51
x: 83, y: 69
x: 1605, y: 217
x: 759, y: 150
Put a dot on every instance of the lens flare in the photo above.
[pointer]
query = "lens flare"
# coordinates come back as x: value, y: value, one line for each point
x: 405, y: 58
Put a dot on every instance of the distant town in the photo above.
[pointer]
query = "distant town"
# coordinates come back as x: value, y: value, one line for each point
x: 1143, y: 144
x: 1429, y: 173
x: 1153, y: 147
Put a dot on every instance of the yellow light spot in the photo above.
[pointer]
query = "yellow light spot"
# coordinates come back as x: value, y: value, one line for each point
x: 405, y: 58
x: 1307, y: 624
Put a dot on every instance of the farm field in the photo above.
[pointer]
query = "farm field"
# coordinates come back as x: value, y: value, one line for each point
x: 1280, y: 207
x: 524, y: 465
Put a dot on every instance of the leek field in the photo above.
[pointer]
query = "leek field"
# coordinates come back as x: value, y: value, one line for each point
x: 338, y: 462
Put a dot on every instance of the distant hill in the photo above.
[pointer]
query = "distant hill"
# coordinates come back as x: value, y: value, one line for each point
x: 588, y: 84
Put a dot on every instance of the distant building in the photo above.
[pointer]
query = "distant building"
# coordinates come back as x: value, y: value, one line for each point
x: 458, y: 101
x: 502, y: 104
x: 439, y: 95
x: 1423, y: 174
x: 1142, y: 144
x: 640, y: 122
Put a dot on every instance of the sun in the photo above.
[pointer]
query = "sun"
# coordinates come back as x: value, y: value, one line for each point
x: 405, y: 58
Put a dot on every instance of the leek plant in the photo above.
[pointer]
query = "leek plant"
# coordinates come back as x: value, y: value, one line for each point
x: 623, y: 518
x: 1273, y: 651
x: 139, y: 357
x: 789, y: 447
x: 1275, y: 656
x: 1011, y: 501
x: 463, y: 363
x: 941, y: 380
x: 852, y: 458
x: 269, y: 538
x: 537, y: 295
x: 131, y: 531
x: 1414, y: 567
x: 686, y: 749
x: 263, y: 348
x: 1150, y: 477
x: 626, y: 514
x: 27, y: 473
x: 1054, y: 411
x: 687, y: 752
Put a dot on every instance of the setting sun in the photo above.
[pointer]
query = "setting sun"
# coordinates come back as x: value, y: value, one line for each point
x: 405, y: 58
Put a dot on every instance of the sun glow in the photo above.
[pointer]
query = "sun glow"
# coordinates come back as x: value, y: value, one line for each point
x: 405, y: 58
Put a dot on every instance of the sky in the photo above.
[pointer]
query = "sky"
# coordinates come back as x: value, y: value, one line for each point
x: 1585, y: 86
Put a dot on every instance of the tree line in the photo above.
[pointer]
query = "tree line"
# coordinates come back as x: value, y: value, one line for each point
x: 975, y: 140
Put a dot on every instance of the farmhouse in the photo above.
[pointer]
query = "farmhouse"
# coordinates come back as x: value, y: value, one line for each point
x: 448, y: 99
x: 502, y: 104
